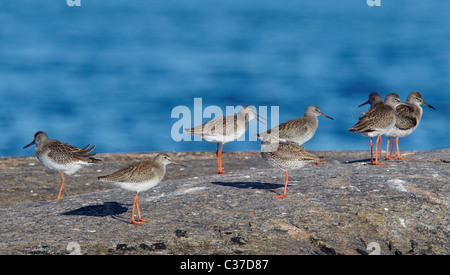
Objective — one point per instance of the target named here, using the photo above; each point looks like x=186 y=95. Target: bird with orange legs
x=139 y=177
x=298 y=130
x=377 y=120
x=408 y=118
x=225 y=129
x=374 y=99
x=286 y=155
x=61 y=157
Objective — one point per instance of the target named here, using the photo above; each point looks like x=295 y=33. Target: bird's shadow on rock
x=99 y=210
x=357 y=161
x=253 y=185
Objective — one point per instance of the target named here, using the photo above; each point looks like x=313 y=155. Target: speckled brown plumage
x=61 y=157
x=298 y=130
x=221 y=126
x=379 y=118
x=139 y=177
x=61 y=152
x=138 y=172
x=286 y=156
x=409 y=115
x=224 y=129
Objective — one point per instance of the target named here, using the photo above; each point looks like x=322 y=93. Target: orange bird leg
x=318 y=162
x=136 y=203
x=60 y=189
x=219 y=160
x=285 y=187
x=132 y=214
x=139 y=212
x=392 y=148
x=371 y=151
x=398 y=152
x=380 y=146
x=387 y=148
x=376 y=152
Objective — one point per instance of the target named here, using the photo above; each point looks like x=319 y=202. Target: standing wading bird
x=285 y=155
x=225 y=129
x=408 y=118
x=61 y=157
x=298 y=130
x=139 y=177
x=373 y=100
x=377 y=121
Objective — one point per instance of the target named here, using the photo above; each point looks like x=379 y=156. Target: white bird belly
x=223 y=138
x=136 y=186
x=67 y=169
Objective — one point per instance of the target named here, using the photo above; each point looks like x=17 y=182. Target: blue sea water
x=110 y=73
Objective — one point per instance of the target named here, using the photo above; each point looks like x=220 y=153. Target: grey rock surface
x=342 y=207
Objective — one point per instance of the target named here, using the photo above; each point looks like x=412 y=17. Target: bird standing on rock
x=408 y=118
x=61 y=157
x=225 y=129
x=377 y=120
x=286 y=155
x=298 y=130
x=139 y=177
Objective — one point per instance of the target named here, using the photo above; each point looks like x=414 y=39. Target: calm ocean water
x=110 y=72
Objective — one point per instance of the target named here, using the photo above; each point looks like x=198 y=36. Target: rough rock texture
x=342 y=207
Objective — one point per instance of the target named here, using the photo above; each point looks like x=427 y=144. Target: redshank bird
x=139 y=177
x=286 y=155
x=374 y=99
x=225 y=129
x=61 y=157
x=408 y=118
x=298 y=130
x=377 y=121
